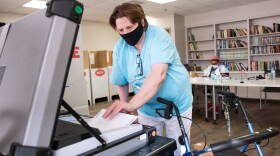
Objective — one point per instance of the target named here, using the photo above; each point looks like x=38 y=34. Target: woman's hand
x=116 y=107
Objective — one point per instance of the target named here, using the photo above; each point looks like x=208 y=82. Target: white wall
x=177 y=26
x=98 y=36
x=180 y=36
x=8 y=18
x=237 y=13
x=165 y=22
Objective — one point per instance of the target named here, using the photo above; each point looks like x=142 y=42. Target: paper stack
x=119 y=121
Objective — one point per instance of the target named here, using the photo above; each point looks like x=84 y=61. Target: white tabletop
x=231 y=82
x=236 y=82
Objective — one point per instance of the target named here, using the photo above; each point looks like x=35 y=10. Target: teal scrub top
x=158 y=48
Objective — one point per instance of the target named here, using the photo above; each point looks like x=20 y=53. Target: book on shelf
x=264 y=65
x=233 y=55
x=266 y=40
x=259 y=29
x=244 y=44
x=197 y=68
x=195 y=55
x=270 y=49
x=234 y=66
x=193 y=46
x=231 y=33
x=276 y=27
x=191 y=37
x=225 y=44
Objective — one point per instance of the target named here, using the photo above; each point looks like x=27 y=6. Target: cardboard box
x=102 y=59
x=93 y=59
x=86 y=59
x=98 y=59
x=109 y=58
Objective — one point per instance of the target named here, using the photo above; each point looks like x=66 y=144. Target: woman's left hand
x=116 y=107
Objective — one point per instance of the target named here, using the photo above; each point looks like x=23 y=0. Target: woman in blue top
x=146 y=58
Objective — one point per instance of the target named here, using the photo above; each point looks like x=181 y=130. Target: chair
x=268 y=90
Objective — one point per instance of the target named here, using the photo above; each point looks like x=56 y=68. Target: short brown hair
x=134 y=12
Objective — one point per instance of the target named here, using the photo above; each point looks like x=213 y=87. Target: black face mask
x=133 y=37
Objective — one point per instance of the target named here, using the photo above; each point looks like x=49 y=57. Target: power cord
x=261 y=146
x=261 y=126
x=258 y=123
x=200 y=130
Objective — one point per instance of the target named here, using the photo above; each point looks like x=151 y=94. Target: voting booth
x=34 y=62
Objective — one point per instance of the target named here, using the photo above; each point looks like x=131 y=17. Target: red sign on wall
x=99 y=72
x=76 y=53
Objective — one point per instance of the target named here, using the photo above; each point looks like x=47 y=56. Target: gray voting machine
x=35 y=56
x=34 y=62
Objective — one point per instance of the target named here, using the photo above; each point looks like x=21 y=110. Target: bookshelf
x=200 y=45
x=264 y=42
x=232 y=44
x=252 y=43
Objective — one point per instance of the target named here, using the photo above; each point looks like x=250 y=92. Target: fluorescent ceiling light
x=36 y=4
x=161 y=1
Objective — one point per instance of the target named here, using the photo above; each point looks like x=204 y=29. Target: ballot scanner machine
x=35 y=55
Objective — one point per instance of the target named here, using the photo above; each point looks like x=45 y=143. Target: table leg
x=222 y=100
x=260 y=98
x=206 y=100
x=214 y=104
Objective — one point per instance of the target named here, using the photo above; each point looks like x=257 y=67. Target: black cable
x=200 y=129
x=247 y=112
x=255 y=147
x=254 y=119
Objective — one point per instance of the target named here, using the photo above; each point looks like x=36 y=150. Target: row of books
x=195 y=56
x=265 y=49
x=225 y=44
x=233 y=55
x=266 y=40
x=231 y=33
x=260 y=29
x=193 y=46
x=234 y=66
x=264 y=65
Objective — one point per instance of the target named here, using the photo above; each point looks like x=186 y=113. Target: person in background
x=216 y=68
x=146 y=58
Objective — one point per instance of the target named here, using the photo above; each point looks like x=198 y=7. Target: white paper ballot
x=120 y=120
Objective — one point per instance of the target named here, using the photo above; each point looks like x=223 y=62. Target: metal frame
x=36 y=56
